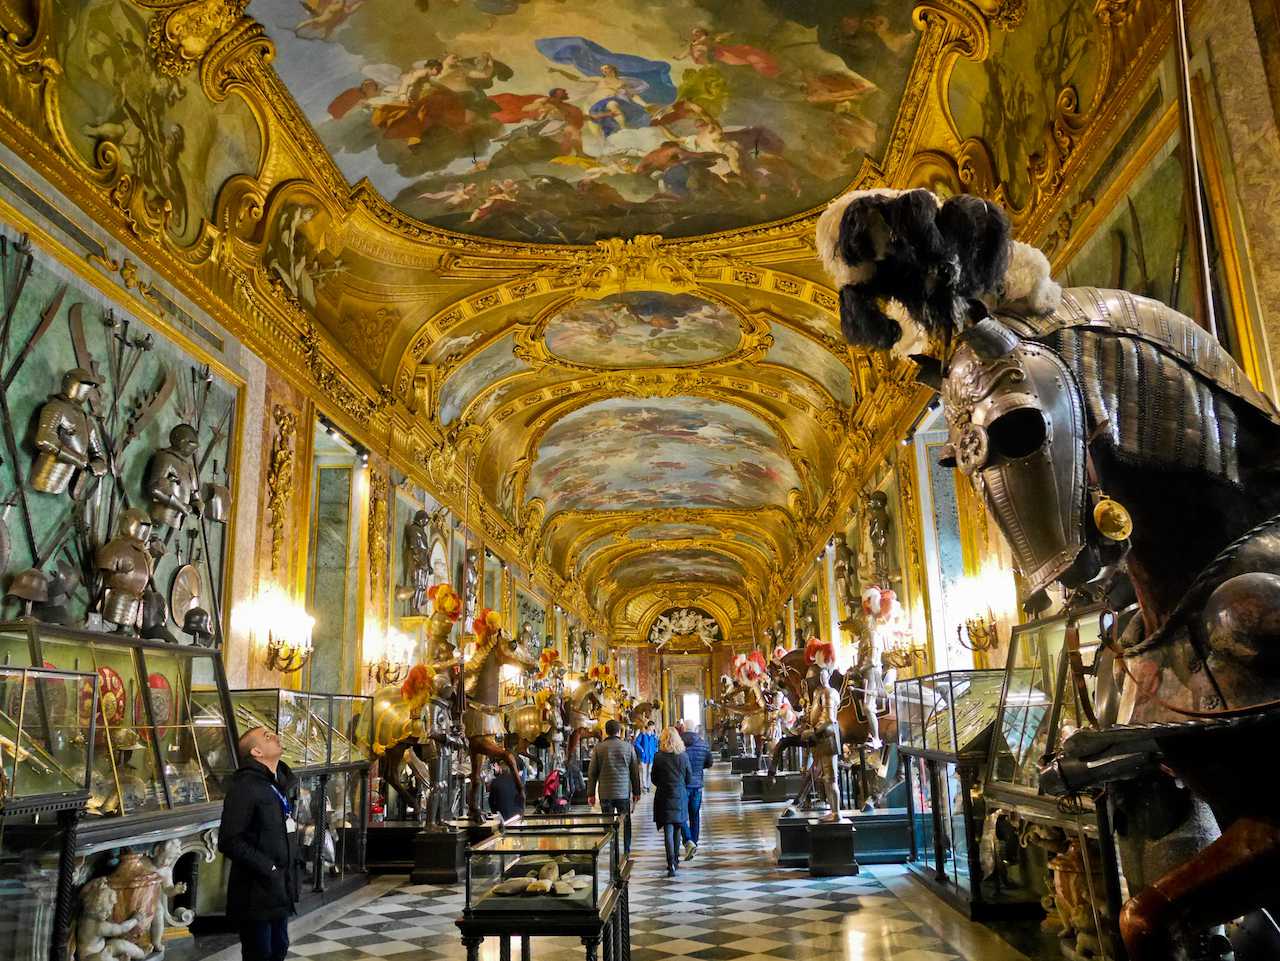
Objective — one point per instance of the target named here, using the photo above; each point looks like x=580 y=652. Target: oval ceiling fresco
x=553 y=123
x=629 y=453
x=682 y=565
x=643 y=329
x=490 y=365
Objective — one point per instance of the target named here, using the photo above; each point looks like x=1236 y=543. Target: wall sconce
x=903 y=656
x=286 y=627
x=979 y=634
x=393 y=665
x=981 y=596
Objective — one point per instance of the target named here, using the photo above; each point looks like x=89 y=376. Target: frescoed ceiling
x=558 y=123
x=555 y=258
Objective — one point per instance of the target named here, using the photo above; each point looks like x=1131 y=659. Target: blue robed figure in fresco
x=625 y=84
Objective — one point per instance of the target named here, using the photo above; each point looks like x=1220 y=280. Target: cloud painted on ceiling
x=490 y=365
x=672 y=532
x=555 y=123
x=690 y=564
x=628 y=453
x=643 y=329
x=802 y=355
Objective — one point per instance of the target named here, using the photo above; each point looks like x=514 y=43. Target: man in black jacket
x=259 y=837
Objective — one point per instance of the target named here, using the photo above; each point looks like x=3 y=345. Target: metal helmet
x=184 y=440
x=198 y=624
x=421 y=518
x=1017 y=429
x=134 y=523
x=78 y=382
x=30 y=585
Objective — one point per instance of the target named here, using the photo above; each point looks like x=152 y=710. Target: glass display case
x=587 y=822
x=46 y=739
x=316 y=730
x=532 y=873
x=945 y=722
x=160 y=740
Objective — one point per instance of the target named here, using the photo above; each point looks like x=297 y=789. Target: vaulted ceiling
x=558 y=255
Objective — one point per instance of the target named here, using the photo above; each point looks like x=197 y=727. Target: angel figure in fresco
x=326 y=17
x=705 y=49
x=617 y=88
x=550 y=117
x=455 y=195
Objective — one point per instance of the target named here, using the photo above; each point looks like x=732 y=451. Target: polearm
x=1191 y=170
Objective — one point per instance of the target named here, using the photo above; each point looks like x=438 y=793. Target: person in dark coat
x=671 y=779
x=504 y=793
x=699 y=755
x=259 y=836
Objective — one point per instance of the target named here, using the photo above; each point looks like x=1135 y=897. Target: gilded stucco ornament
x=280 y=479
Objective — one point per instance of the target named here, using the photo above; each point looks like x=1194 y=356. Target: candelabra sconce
x=286 y=627
x=902 y=658
x=979 y=634
x=288 y=655
x=392 y=666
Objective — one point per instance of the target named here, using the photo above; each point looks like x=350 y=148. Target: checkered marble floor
x=730 y=903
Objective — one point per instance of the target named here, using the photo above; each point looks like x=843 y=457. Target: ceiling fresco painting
x=804 y=356
x=671 y=532
x=690 y=564
x=494 y=362
x=638 y=454
x=549 y=122
x=1009 y=98
x=643 y=329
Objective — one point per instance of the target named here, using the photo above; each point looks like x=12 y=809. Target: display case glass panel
x=316 y=730
x=910 y=713
x=44 y=735
x=959 y=708
x=500 y=871
x=1035 y=682
x=583 y=824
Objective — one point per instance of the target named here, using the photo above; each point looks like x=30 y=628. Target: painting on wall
x=642 y=329
x=1009 y=98
x=634 y=454
x=490 y=365
x=802 y=355
x=690 y=564
x=179 y=145
x=518 y=121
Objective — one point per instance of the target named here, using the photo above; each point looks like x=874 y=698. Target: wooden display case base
x=753 y=787
x=831 y=849
x=439 y=856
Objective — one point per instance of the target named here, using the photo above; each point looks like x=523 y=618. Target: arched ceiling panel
x=690 y=564
x=496 y=362
x=556 y=124
x=803 y=356
x=652 y=453
x=643 y=329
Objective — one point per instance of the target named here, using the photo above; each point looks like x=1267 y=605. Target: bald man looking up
x=259 y=836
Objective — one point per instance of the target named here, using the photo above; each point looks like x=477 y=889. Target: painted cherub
x=97 y=936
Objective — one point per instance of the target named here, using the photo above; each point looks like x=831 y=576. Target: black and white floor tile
x=730 y=903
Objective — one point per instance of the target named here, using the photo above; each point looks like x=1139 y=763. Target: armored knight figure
x=418 y=543
x=66 y=437
x=125 y=562
x=878 y=534
x=172 y=484
x=824 y=722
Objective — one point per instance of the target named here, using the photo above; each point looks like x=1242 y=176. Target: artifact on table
x=67 y=439
x=62 y=583
x=125 y=563
x=172 y=485
x=155 y=617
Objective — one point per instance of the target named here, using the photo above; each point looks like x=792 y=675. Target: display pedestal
x=389 y=847
x=831 y=849
x=884 y=836
x=745 y=764
x=478 y=831
x=780 y=787
x=439 y=856
x=793 y=840
x=753 y=786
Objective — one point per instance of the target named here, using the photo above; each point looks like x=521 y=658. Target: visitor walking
x=504 y=794
x=616 y=770
x=646 y=747
x=699 y=755
x=259 y=837
x=671 y=777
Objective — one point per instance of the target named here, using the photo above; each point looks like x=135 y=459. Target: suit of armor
x=66 y=437
x=125 y=562
x=824 y=723
x=172 y=485
x=419 y=551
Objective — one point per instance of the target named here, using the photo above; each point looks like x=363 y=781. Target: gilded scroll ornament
x=280 y=478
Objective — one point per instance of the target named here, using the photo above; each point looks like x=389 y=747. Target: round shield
x=184 y=592
x=162 y=704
